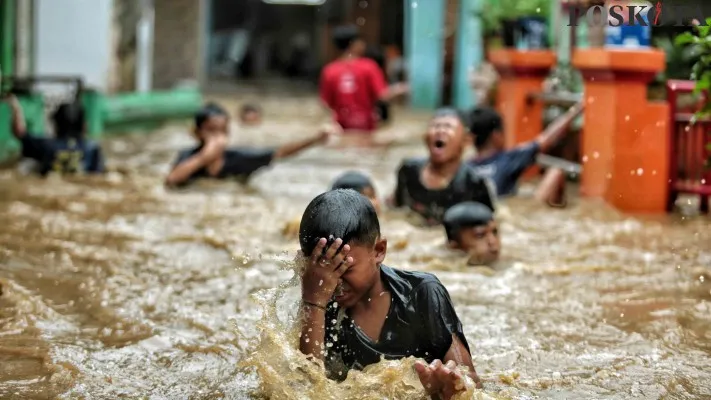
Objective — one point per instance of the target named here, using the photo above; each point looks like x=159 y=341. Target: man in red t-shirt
x=352 y=85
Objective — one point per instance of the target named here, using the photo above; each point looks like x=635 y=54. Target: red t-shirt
x=351 y=88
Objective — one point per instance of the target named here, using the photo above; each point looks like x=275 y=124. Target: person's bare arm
x=394 y=91
x=460 y=355
x=19 y=128
x=291 y=149
x=313 y=332
x=558 y=128
x=441 y=379
x=317 y=286
x=184 y=170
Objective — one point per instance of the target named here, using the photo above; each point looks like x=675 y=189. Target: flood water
x=113 y=287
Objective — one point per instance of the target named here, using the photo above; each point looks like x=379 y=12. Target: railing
x=688 y=169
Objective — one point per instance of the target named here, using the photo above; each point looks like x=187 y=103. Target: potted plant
x=523 y=23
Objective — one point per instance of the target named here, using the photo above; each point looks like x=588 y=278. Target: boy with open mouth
x=429 y=186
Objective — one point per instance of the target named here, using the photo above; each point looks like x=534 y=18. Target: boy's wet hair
x=344 y=36
x=357 y=181
x=249 y=107
x=341 y=213
x=451 y=112
x=208 y=111
x=483 y=122
x=69 y=120
x=464 y=215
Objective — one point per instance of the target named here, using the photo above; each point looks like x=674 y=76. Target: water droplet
x=627 y=117
x=703 y=181
x=609 y=175
x=310 y=329
x=701 y=278
x=591 y=99
x=360 y=21
x=654 y=172
x=687 y=129
x=525 y=119
x=320 y=283
x=307 y=340
x=585 y=159
x=622 y=315
x=640 y=171
x=596 y=155
x=538 y=9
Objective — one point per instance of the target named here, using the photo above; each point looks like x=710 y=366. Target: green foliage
x=701 y=71
x=495 y=11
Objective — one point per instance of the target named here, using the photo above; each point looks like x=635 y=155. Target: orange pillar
x=522 y=73
x=625 y=139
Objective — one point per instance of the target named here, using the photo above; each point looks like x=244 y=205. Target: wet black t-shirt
x=420 y=323
x=431 y=204
x=239 y=162
x=63 y=155
x=506 y=167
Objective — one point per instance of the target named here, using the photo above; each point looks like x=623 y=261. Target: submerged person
x=471 y=228
x=357 y=310
x=352 y=85
x=505 y=167
x=359 y=182
x=353 y=180
x=429 y=186
x=250 y=114
x=69 y=151
x=211 y=158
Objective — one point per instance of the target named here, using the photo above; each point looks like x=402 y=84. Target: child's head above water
x=347 y=38
x=250 y=114
x=486 y=126
x=347 y=215
x=69 y=121
x=360 y=183
x=446 y=136
x=210 y=121
x=471 y=227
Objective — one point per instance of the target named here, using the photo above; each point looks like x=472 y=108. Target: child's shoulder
x=415 y=163
x=415 y=280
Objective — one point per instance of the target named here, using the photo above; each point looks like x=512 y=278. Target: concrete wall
x=73 y=37
x=177 y=50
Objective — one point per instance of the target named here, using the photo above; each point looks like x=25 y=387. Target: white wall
x=73 y=37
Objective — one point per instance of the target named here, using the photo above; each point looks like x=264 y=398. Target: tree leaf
x=686 y=38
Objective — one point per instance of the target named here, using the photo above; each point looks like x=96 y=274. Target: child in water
x=504 y=167
x=353 y=180
x=250 y=115
x=357 y=310
x=471 y=228
x=212 y=159
x=69 y=151
x=352 y=85
x=359 y=182
x=429 y=186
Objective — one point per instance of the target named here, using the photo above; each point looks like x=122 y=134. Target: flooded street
x=113 y=287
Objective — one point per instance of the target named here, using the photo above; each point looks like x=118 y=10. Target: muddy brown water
x=113 y=287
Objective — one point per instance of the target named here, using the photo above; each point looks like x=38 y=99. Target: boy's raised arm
x=323 y=270
x=557 y=129
x=291 y=149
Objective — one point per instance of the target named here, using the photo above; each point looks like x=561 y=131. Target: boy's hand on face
x=323 y=271
x=214 y=146
x=440 y=380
